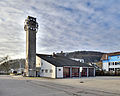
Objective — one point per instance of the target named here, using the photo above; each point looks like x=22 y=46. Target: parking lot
x=92 y=86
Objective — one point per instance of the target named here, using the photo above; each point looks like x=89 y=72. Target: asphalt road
x=20 y=87
x=14 y=86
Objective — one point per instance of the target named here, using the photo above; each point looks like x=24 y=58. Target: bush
x=107 y=73
x=4 y=73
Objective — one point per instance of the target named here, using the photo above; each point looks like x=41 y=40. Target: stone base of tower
x=32 y=73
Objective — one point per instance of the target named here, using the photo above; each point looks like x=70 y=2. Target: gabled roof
x=105 y=56
x=60 y=61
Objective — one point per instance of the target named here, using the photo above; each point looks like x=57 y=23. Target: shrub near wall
x=4 y=73
x=107 y=73
x=99 y=73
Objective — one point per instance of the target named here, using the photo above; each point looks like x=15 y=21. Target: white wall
x=105 y=66
x=38 y=61
x=59 y=72
x=114 y=66
x=47 y=66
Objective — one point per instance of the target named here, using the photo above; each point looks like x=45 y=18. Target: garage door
x=66 y=72
x=75 y=72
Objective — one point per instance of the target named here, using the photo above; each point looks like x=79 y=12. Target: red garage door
x=75 y=72
x=66 y=72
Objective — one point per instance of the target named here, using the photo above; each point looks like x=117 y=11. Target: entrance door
x=66 y=72
x=75 y=72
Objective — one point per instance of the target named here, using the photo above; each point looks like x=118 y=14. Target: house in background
x=54 y=66
x=111 y=61
x=80 y=60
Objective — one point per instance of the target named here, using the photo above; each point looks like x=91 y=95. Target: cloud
x=63 y=25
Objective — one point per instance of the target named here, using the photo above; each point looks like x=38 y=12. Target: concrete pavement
x=19 y=86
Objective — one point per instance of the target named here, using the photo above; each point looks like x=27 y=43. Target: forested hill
x=12 y=64
x=88 y=56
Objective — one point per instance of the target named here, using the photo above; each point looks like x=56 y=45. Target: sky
x=64 y=25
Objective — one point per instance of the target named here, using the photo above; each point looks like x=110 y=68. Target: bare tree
x=5 y=66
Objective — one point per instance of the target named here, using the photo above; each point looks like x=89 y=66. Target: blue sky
x=67 y=25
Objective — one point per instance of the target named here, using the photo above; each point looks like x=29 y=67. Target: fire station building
x=54 y=66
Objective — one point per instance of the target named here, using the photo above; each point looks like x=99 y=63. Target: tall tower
x=31 y=27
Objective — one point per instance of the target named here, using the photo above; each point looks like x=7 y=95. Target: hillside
x=12 y=64
x=88 y=56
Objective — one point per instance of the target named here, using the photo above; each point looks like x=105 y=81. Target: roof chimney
x=53 y=54
x=61 y=52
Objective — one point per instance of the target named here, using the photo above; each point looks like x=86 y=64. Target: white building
x=111 y=61
x=61 y=67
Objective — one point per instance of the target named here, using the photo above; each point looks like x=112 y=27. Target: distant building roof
x=60 y=61
x=105 y=56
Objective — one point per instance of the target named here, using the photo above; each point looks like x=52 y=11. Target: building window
x=41 y=63
x=59 y=69
x=109 y=63
x=51 y=70
x=111 y=69
x=46 y=71
x=42 y=70
x=118 y=63
x=117 y=69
